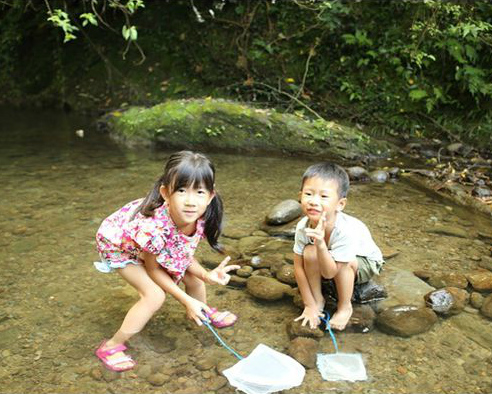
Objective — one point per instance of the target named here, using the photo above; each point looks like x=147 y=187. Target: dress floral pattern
x=120 y=240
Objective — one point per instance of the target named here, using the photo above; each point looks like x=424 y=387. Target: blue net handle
x=326 y=320
x=221 y=341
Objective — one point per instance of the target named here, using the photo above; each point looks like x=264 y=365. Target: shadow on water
x=55 y=308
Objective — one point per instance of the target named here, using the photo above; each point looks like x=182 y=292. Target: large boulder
x=406 y=320
x=222 y=124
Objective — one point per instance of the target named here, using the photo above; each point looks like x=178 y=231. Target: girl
x=151 y=242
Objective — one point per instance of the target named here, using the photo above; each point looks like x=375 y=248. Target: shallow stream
x=55 y=308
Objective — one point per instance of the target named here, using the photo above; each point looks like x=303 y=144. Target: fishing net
x=264 y=371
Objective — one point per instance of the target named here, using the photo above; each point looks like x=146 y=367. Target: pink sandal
x=112 y=363
x=218 y=318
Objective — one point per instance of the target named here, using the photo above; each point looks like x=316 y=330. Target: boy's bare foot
x=341 y=318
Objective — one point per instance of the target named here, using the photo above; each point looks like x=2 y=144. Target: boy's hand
x=318 y=233
x=311 y=315
x=220 y=275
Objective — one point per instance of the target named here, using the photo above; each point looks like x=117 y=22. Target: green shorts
x=367 y=268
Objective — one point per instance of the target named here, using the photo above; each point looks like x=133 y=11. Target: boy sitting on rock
x=330 y=244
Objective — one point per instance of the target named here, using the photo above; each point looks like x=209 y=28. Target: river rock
x=214 y=384
x=296 y=329
x=447 y=301
x=481 y=191
x=211 y=259
x=267 y=288
x=267 y=260
x=157 y=379
x=406 y=320
x=403 y=288
x=144 y=371
x=207 y=362
x=297 y=299
x=445 y=279
x=394 y=172
x=284 y=230
x=480 y=280
x=250 y=245
x=379 y=176
x=235 y=233
x=362 y=319
x=284 y=212
x=237 y=281
x=357 y=173
x=486 y=262
x=476 y=300
x=263 y=272
x=304 y=350
x=285 y=274
x=486 y=308
x=449 y=230
x=245 y=271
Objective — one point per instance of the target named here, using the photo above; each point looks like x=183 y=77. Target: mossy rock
x=231 y=126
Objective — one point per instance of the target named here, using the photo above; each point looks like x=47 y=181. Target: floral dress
x=120 y=240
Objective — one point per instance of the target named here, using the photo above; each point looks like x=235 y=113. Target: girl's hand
x=311 y=315
x=194 y=310
x=318 y=233
x=220 y=274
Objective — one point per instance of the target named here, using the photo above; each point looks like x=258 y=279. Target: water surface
x=55 y=308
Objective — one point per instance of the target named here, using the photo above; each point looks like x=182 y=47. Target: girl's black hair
x=185 y=169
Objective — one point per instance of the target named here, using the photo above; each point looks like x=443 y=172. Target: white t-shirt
x=349 y=238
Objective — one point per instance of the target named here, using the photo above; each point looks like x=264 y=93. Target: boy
x=330 y=244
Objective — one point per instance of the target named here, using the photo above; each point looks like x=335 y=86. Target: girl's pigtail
x=152 y=201
x=213 y=222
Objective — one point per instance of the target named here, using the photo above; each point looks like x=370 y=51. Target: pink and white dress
x=121 y=240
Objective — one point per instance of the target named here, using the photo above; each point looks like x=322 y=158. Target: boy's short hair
x=329 y=171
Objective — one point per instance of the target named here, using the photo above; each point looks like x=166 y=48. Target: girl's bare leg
x=151 y=299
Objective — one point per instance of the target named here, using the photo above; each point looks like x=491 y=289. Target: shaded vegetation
x=404 y=68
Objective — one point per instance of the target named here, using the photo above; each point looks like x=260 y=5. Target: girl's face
x=320 y=196
x=186 y=205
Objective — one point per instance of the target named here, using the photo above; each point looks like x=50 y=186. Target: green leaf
x=417 y=94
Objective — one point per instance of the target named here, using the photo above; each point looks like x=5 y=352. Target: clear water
x=55 y=308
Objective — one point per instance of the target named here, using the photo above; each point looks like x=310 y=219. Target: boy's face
x=320 y=196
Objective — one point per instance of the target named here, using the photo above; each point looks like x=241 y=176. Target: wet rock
x=362 y=319
x=379 y=176
x=357 y=173
x=447 y=301
x=259 y=233
x=207 y=362
x=144 y=371
x=284 y=230
x=406 y=320
x=160 y=343
x=486 y=308
x=286 y=274
x=485 y=236
x=267 y=288
x=445 y=279
x=263 y=272
x=297 y=299
x=215 y=383
x=394 y=172
x=369 y=292
x=481 y=191
x=157 y=379
x=486 y=262
x=250 y=245
x=244 y=272
x=296 y=329
x=266 y=260
x=476 y=329
x=235 y=233
x=476 y=300
x=237 y=281
x=96 y=374
x=211 y=259
x=289 y=257
x=284 y=212
x=451 y=231
x=108 y=375
x=480 y=280
x=304 y=350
